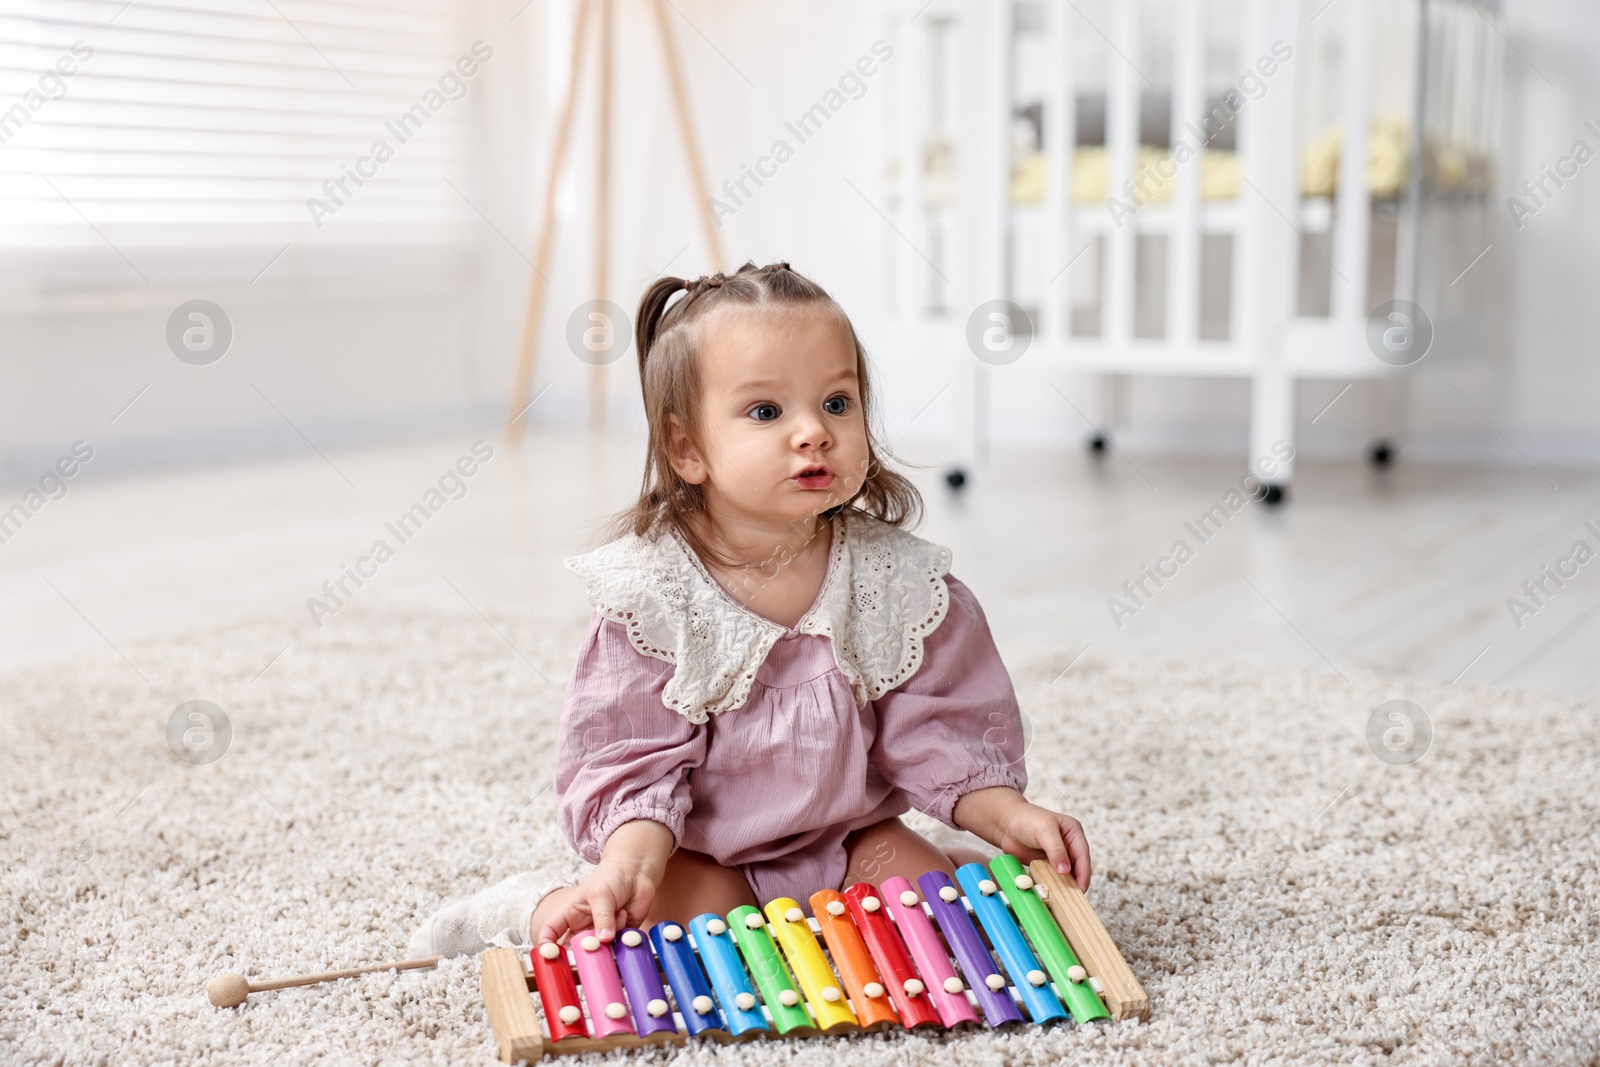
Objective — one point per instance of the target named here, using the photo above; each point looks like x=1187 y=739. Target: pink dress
x=762 y=745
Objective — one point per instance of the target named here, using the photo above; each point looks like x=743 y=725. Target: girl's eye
x=836 y=405
x=764 y=412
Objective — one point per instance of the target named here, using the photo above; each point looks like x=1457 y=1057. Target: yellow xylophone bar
x=823 y=995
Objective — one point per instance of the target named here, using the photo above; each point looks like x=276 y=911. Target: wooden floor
x=1407 y=571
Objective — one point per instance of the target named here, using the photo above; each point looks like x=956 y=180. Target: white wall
x=1540 y=392
x=333 y=344
x=353 y=370
x=1554 y=390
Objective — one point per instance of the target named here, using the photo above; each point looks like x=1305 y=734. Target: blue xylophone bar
x=726 y=971
x=686 y=979
x=1033 y=985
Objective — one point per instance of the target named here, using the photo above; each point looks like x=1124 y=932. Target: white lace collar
x=883 y=594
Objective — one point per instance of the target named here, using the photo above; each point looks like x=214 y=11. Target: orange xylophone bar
x=862 y=935
x=852 y=961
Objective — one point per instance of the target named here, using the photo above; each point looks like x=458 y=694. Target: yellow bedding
x=1219 y=170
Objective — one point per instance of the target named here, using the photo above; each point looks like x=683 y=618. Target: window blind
x=214 y=122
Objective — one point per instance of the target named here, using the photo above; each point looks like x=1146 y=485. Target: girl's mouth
x=815 y=478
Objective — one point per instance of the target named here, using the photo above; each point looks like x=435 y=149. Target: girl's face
x=780 y=415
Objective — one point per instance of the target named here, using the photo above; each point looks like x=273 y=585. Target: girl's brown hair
x=669 y=341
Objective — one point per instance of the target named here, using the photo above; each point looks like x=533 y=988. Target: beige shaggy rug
x=1284 y=894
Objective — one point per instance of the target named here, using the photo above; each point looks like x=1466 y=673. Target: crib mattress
x=1219 y=170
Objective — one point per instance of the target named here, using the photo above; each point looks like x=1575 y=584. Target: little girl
x=775 y=669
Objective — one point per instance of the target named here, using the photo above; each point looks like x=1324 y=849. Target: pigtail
x=652 y=308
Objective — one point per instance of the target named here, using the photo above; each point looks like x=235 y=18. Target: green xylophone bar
x=749 y=929
x=1070 y=978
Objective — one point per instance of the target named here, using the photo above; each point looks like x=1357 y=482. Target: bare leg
x=961 y=855
x=890 y=848
x=693 y=884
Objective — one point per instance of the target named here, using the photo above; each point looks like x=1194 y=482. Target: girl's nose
x=810 y=432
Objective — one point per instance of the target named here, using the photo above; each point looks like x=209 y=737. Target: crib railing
x=950 y=114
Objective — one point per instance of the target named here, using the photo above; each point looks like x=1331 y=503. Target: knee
x=961 y=855
x=892 y=826
x=705 y=874
x=694 y=884
x=733 y=888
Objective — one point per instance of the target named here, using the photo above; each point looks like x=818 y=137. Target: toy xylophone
x=899 y=957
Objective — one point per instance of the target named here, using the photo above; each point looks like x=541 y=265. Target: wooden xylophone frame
x=520 y=1032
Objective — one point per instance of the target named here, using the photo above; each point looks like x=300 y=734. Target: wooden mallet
x=229 y=990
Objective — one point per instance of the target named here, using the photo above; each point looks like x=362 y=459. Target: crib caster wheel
x=1275 y=495
x=1381 y=454
x=955 y=477
x=1098 y=443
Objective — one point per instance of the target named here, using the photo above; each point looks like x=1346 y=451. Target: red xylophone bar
x=889 y=953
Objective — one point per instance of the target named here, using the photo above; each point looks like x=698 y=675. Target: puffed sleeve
x=955 y=725
x=622 y=754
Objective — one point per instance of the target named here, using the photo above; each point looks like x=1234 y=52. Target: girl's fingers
x=1025 y=854
x=639 y=906
x=1078 y=846
x=1056 y=853
x=603 y=908
x=564 y=920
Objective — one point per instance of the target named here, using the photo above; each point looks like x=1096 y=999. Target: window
x=178 y=134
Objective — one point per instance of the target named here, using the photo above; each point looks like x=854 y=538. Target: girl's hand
x=624 y=881
x=1004 y=818
x=617 y=892
x=1030 y=832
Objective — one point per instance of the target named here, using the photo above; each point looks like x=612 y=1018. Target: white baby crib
x=1033 y=158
